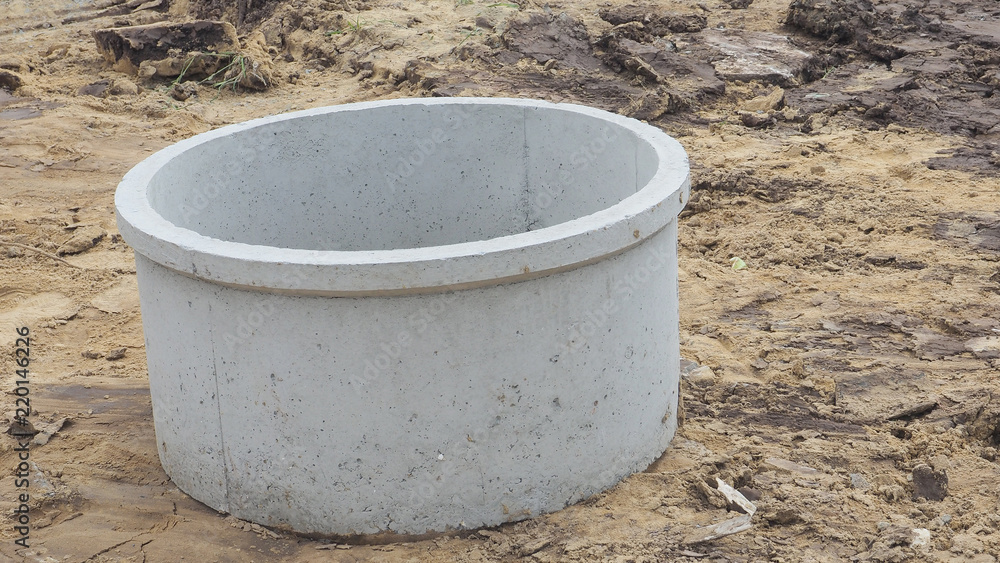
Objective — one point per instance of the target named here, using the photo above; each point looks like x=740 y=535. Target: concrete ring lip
x=461 y=265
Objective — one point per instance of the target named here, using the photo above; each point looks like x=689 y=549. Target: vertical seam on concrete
x=218 y=403
x=635 y=168
x=527 y=169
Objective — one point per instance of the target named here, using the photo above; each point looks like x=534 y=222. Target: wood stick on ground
x=42 y=252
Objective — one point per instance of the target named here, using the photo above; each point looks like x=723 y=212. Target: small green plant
x=476 y=31
x=463 y=2
x=355 y=26
x=230 y=75
x=187 y=67
x=181 y=75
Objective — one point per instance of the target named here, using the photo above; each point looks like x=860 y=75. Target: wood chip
x=915 y=410
x=42 y=252
x=736 y=498
x=791 y=467
x=720 y=530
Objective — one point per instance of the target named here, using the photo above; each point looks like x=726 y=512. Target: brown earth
x=846 y=150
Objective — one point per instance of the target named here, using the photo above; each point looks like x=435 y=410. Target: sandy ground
x=846 y=379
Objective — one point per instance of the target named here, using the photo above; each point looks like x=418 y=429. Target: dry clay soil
x=845 y=380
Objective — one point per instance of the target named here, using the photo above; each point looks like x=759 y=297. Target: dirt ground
x=845 y=150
